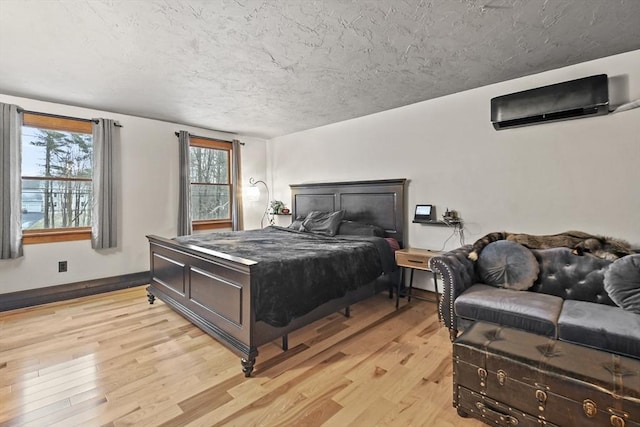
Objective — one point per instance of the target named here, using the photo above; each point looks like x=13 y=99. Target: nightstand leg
x=410 y=286
x=398 y=289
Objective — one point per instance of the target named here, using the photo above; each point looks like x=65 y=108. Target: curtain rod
x=38 y=113
x=206 y=137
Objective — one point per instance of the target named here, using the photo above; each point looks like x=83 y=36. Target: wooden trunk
x=507 y=377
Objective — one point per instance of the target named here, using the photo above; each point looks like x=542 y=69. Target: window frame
x=56 y=123
x=216 y=144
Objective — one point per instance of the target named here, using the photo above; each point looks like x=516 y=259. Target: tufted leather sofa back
x=571 y=276
x=562 y=273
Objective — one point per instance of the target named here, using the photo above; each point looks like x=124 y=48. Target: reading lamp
x=256 y=196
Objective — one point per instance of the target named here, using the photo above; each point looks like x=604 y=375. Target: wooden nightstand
x=415 y=259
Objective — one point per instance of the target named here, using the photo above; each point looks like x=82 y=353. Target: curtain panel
x=236 y=180
x=184 y=192
x=10 y=181
x=104 y=228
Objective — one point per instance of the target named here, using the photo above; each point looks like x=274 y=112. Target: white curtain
x=10 y=181
x=104 y=228
x=184 y=193
x=236 y=180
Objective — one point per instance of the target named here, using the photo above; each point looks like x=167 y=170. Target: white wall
x=149 y=159
x=581 y=174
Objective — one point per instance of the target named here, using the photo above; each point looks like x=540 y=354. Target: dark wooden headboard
x=379 y=202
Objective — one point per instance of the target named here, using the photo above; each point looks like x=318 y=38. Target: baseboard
x=49 y=294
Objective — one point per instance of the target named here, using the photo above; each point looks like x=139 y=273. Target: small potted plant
x=276 y=206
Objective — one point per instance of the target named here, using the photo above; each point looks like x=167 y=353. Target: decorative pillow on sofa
x=354 y=228
x=507 y=264
x=326 y=223
x=622 y=282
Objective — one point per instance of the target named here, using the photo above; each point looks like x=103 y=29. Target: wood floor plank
x=114 y=360
x=62 y=417
x=371 y=415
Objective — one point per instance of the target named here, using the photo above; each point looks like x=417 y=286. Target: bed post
x=247 y=365
x=248 y=360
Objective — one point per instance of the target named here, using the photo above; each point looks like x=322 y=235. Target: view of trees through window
x=56 y=178
x=210 y=183
x=57 y=190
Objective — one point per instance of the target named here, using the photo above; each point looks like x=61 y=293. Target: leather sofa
x=567 y=300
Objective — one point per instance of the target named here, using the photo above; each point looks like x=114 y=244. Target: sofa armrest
x=458 y=274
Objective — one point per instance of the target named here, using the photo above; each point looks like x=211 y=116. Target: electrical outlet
x=62 y=266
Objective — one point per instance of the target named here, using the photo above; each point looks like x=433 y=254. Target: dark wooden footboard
x=212 y=290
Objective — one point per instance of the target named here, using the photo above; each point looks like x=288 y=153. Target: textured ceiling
x=269 y=68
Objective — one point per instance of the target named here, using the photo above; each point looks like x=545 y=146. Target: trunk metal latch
x=541 y=397
x=482 y=374
x=502 y=376
x=589 y=407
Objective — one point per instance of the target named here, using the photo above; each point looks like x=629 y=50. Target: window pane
x=209 y=165
x=56 y=153
x=209 y=202
x=55 y=204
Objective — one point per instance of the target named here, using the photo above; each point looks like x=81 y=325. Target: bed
x=223 y=291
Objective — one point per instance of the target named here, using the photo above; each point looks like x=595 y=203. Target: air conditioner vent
x=574 y=99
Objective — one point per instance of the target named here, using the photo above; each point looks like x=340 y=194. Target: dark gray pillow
x=354 y=228
x=326 y=223
x=297 y=223
x=622 y=282
x=507 y=264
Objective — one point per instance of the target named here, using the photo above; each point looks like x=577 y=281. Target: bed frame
x=213 y=289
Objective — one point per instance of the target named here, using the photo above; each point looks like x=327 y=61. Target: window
x=210 y=183
x=56 y=178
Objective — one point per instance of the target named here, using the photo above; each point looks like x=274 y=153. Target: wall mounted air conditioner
x=574 y=99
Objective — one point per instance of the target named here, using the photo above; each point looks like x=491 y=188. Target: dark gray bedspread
x=296 y=272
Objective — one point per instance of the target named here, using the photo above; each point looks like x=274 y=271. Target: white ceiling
x=269 y=68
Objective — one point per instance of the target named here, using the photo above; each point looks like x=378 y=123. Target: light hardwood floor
x=115 y=360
